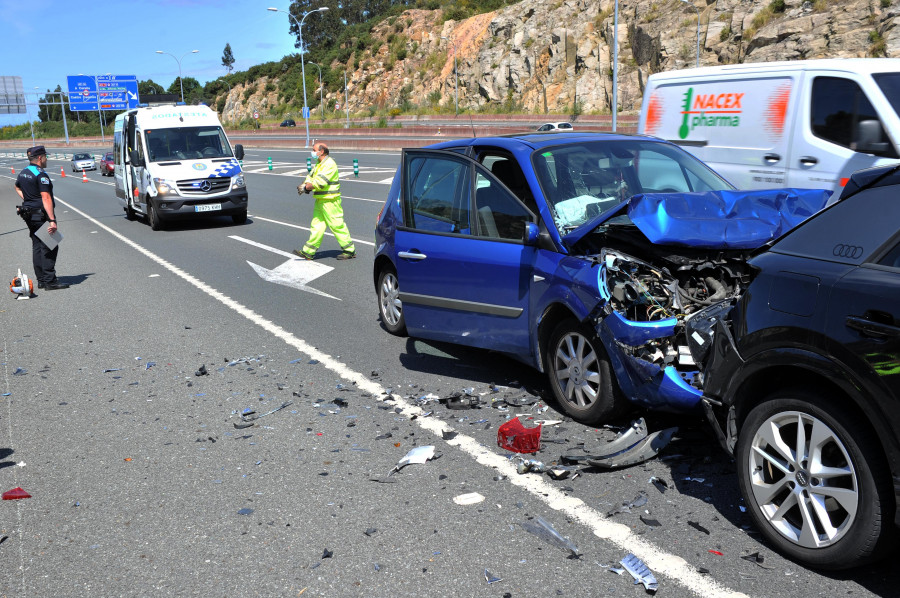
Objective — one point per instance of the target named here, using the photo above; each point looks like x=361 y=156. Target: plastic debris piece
x=639 y=452
x=449 y=434
x=15 y=494
x=107 y=370
x=660 y=484
x=150 y=364
x=758 y=559
x=327 y=554
x=639 y=501
x=471 y=498
x=715 y=552
x=4 y=539
x=245 y=511
x=416 y=456
x=521 y=401
x=20 y=372
x=341 y=402
x=370 y=532
x=515 y=437
x=703 y=570
x=490 y=577
x=696 y=525
x=313 y=361
x=530 y=466
x=640 y=572
x=465 y=402
x=249 y=416
x=561 y=472
x=650 y=522
x=383 y=436
x=377 y=566
x=201 y=371
x=542 y=529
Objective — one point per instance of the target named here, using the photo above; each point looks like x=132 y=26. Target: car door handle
x=771 y=158
x=411 y=255
x=870 y=328
x=808 y=160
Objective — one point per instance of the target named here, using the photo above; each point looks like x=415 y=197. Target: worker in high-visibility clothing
x=324 y=184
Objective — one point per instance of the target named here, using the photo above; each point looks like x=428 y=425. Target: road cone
x=13 y=169
x=62 y=171
x=83 y=176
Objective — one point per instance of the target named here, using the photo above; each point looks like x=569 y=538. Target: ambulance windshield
x=187 y=143
x=890 y=87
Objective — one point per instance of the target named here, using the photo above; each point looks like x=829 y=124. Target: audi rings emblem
x=205 y=186
x=848 y=251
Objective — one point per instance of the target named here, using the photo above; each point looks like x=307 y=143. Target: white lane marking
x=370 y=243
x=673 y=567
x=387 y=181
x=274 y=250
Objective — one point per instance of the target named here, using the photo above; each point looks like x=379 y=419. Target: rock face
x=556 y=56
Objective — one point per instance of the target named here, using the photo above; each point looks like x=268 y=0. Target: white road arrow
x=296 y=273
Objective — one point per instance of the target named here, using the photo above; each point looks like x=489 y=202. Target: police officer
x=325 y=186
x=34 y=187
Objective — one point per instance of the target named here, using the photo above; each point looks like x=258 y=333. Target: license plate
x=208 y=207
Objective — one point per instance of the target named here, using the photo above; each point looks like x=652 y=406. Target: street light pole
x=37 y=102
x=302 y=67
x=180 y=79
x=615 y=99
x=346 y=100
x=698 y=29
x=321 y=90
x=455 y=73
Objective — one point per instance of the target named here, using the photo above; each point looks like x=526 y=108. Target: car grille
x=196 y=186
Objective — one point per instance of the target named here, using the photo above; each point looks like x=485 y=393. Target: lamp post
x=37 y=101
x=321 y=90
x=346 y=100
x=455 y=73
x=180 y=79
x=698 y=28
x=302 y=67
x=615 y=99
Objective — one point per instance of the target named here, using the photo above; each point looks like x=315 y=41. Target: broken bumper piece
x=640 y=572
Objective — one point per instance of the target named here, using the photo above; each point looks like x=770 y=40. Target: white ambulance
x=175 y=161
x=805 y=124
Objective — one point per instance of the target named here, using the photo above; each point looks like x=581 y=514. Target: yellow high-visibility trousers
x=328 y=213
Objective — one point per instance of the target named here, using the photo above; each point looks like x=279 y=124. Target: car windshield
x=582 y=180
x=108 y=156
x=81 y=157
x=890 y=87
x=187 y=143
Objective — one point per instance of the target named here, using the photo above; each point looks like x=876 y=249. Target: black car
x=803 y=380
x=288 y=122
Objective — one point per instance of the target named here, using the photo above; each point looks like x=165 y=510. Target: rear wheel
x=390 y=308
x=580 y=375
x=153 y=217
x=815 y=481
x=129 y=210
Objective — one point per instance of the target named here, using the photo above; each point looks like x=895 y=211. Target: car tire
x=580 y=375
x=390 y=308
x=836 y=526
x=153 y=217
x=130 y=214
x=240 y=218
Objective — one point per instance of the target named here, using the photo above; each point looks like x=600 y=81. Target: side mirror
x=532 y=231
x=239 y=151
x=869 y=135
x=135 y=157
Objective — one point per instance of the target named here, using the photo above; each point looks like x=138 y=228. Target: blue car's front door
x=464 y=270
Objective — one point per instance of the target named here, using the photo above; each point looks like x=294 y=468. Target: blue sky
x=44 y=42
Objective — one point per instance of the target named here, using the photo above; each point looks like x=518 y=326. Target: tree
x=192 y=88
x=228 y=58
x=149 y=87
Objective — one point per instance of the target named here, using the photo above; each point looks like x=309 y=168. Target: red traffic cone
x=13 y=169
x=83 y=176
x=62 y=171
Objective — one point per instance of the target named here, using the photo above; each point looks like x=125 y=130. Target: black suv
x=288 y=122
x=803 y=385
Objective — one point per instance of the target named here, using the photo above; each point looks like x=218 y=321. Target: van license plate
x=208 y=207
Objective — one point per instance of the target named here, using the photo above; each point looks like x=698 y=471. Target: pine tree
x=228 y=58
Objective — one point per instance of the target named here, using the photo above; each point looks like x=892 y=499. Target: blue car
x=602 y=260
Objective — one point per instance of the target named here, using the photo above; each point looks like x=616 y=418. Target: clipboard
x=51 y=241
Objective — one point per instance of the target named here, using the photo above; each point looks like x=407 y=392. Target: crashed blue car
x=602 y=260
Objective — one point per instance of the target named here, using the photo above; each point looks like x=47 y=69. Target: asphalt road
x=142 y=485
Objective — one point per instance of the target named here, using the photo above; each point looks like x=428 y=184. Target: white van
x=174 y=161
x=804 y=124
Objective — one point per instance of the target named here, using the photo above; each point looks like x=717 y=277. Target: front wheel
x=815 y=481
x=153 y=217
x=390 y=308
x=580 y=375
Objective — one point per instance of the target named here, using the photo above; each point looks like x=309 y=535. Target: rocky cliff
x=556 y=56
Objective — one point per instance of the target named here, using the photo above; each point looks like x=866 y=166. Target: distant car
x=83 y=162
x=288 y=122
x=555 y=127
x=804 y=389
x=107 y=165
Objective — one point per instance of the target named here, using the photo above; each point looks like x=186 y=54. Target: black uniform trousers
x=43 y=258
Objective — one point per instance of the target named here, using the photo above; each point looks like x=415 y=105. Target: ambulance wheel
x=129 y=211
x=240 y=218
x=153 y=217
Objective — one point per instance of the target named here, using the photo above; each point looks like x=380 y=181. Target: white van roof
x=856 y=65
x=171 y=115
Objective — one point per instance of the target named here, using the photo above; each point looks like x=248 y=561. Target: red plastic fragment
x=15 y=494
x=716 y=552
x=517 y=438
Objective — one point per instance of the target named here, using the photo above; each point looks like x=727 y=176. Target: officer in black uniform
x=36 y=190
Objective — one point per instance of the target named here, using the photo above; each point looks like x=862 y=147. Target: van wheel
x=240 y=218
x=129 y=211
x=580 y=375
x=153 y=217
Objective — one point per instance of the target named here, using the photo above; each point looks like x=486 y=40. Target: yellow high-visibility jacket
x=325 y=181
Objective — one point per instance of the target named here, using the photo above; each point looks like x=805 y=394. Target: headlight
x=238 y=182
x=164 y=186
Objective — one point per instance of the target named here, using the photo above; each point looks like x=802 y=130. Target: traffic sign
x=306 y=112
x=103 y=92
x=82 y=92
x=255 y=114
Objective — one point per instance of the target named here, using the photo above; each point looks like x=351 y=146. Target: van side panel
x=739 y=125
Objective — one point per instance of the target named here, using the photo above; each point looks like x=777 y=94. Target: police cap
x=38 y=150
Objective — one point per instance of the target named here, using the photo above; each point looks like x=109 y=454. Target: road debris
x=490 y=577
x=15 y=494
x=248 y=416
x=515 y=437
x=640 y=572
x=201 y=371
x=543 y=530
x=696 y=525
x=639 y=501
x=660 y=484
x=471 y=498
x=530 y=466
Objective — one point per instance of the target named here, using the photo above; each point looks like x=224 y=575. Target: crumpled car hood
x=713 y=219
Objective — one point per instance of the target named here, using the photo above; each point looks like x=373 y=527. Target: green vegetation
x=877 y=44
x=725 y=34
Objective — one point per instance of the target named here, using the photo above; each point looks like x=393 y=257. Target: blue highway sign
x=82 y=92
x=103 y=92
